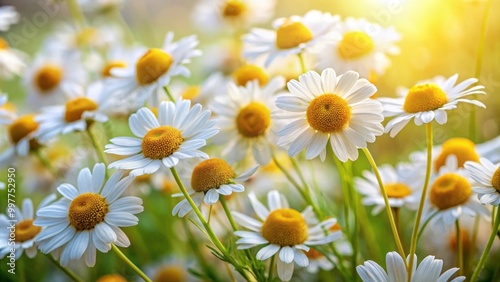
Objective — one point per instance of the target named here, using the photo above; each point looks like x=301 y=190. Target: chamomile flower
x=429 y=270
x=318 y=261
x=285 y=233
x=7 y=110
x=177 y=133
x=87 y=217
x=329 y=107
x=213 y=86
x=487 y=178
x=363 y=48
x=428 y=100
x=12 y=61
x=249 y=72
x=8 y=17
x=81 y=109
x=244 y=117
x=403 y=190
x=210 y=179
x=291 y=36
x=22 y=138
x=24 y=231
x=153 y=70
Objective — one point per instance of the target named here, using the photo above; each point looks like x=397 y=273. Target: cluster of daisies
x=301 y=90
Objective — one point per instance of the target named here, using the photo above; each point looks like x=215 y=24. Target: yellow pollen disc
x=111 y=278
x=292 y=34
x=152 y=65
x=285 y=227
x=191 y=92
x=22 y=127
x=335 y=227
x=3 y=44
x=424 y=97
x=154 y=110
x=464 y=236
x=248 y=73
x=328 y=113
x=170 y=274
x=145 y=178
x=168 y=187
x=211 y=173
x=313 y=254
x=48 y=77
x=106 y=70
x=397 y=190
x=86 y=36
x=253 y=120
x=495 y=180
x=25 y=230
x=450 y=190
x=161 y=142
x=462 y=148
x=9 y=107
x=87 y=210
x=233 y=9
x=354 y=45
x=76 y=107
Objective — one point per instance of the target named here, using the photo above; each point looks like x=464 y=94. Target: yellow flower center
x=424 y=97
x=191 y=92
x=87 y=210
x=248 y=73
x=233 y=9
x=328 y=113
x=171 y=273
x=48 y=77
x=285 y=227
x=450 y=190
x=25 y=230
x=464 y=236
x=106 y=70
x=211 y=173
x=145 y=178
x=76 y=107
x=462 y=148
x=3 y=44
x=9 y=107
x=253 y=120
x=161 y=142
x=22 y=127
x=313 y=254
x=152 y=65
x=495 y=180
x=397 y=190
x=292 y=34
x=354 y=45
x=111 y=278
x=86 y=36
x=168 y=187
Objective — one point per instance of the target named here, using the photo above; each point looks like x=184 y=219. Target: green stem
x=289 y=177
x=460 y=249
x=22 y=270
x=345 y=193
x=386 y=201
x=425 y=224
x=228 y=213
x=486 y=251
x=96 y=146
x=271 y=268
x=66 y=271
x=125 y=259
x=121 y=21
x=306 y=190
x=46 y=163
x=169 y=94
x=77 y=14
x=473 y=241
x=395 y=212
x=302 y=63
x=414 y=235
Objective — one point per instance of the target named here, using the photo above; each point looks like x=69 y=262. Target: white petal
x=267 y=251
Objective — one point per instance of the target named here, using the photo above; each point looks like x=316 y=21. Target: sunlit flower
x=111 y=278
x=169 y=269
x=329 y=107
x=68 y=37
x=429 y=270
x=248 y=72
x=177 y=133
x=25 y=232
x=244 y=117
x=21 y=132
x=428 y=100
x=210 y=179
x=8 y=17
x=88 y=217
x=213 y=86
x=487 y=178
x=285 y=233
x=291 y=36
x=7 y=110
x=12 y=61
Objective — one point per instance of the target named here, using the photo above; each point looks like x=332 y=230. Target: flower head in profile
x=88 y=217
x=177 y=133
x=328 y=107
x=428 y=100
x=290 y=36
x=211 y=179
x=285 y=233
x=12 y=61
x=487 y=180
x=429 y=270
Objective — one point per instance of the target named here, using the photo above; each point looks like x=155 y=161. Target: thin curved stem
x=125 y=259
x=271 y=268
x=46 y=163
x=77 y=14
x=228 y=213
x=460 y=249
x=96 y=146
x=169 y=94
x=487 y=249
x=302 y=63
x=66 y=271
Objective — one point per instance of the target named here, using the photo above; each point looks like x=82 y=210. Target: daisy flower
x=211 y=178
x=285 y=233
x=487 y=178
x=429 y=270
x=403 y=189
x=291 y=36
x=153 y=70
x=177 y=133
x=7 y=110
x=244 y=117
x=25 y=232
x=87 y=217
x=363 y=48
x=428 y=100
x=8 y=17
x=12 y=61
x=248 y=72
x=21 y=132
x=329 y=107
x=213 y=86
x=81 y=110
